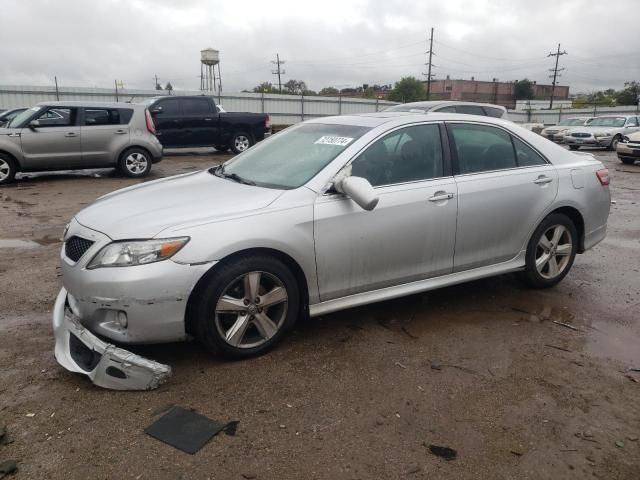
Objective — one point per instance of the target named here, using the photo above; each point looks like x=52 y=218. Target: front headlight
x=137 y=252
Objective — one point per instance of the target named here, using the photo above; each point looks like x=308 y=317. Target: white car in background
x=606 y=131
x=556 y=133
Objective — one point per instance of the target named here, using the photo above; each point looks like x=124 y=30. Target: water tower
x=209 y=59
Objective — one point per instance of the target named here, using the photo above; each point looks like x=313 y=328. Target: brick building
x=500 y=93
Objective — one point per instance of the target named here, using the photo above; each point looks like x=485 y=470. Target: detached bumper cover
x=108 y=366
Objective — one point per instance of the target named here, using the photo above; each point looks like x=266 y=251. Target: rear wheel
x=551 y=251
x=246 y=307
x=574 y=147
x=7 y=169
x=135 y=163
x=240 y=142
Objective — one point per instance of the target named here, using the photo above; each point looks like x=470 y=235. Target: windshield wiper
x=219 y=172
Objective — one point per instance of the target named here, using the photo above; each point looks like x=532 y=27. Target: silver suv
x=77 y=135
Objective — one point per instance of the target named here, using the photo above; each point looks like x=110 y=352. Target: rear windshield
x=294 y=156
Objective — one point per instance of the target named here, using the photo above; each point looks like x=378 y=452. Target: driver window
x=57 y=117
x=632 y=122
x=406 y=155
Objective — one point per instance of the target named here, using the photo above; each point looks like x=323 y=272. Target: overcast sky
x=325 y=43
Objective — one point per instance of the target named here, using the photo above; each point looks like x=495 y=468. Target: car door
x=409 y=236
x=504 y=186
x=54 y=141
x=167 y=118
x=105 y=133
x=199 y=121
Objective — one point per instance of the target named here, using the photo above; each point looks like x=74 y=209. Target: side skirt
x=389 y=293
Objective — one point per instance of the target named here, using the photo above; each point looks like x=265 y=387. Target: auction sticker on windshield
x=330 y=140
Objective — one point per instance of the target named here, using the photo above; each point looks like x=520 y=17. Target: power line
x=429 y=64
x=555 y=71
x=278 y=72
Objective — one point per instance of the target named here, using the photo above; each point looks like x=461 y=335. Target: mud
x=489 y=369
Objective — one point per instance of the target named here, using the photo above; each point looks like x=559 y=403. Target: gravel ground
x=481 y=368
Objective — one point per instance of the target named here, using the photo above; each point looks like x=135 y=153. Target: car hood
x=593 y=129
x=145 y=210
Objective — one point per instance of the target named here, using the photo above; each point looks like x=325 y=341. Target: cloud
x=325 y=43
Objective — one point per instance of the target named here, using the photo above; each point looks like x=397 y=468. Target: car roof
x=400 y=118
x=76 y=103
x=438 y=103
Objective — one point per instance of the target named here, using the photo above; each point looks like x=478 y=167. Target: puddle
x=622 y=243
x=614 y=341
x=17 y=243
x=47 y=240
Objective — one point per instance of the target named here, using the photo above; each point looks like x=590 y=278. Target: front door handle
x=543 y=179
x=120 y=132
x=441 y=196
x=70 y=134
x=208 y=119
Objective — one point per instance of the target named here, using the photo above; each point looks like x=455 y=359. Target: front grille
x=76 y=247
x=581 y=135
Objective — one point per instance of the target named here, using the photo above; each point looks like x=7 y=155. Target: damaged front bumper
x=108 y=366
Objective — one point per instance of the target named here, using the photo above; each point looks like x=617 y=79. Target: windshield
x=20 y=119
x=294 y=156
x=572 y=122
x=608 y=122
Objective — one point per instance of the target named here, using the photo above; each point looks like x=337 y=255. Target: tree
x=630 y=95
x=264 y=87
x=158 y=86
x=329 y=91
x=168 y=87
x=523 y=90
x=295 y=87
x=408 y=89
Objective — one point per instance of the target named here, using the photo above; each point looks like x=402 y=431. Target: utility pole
x=116 y=83
x=555 y=71
x=155 y=85
x=429 y=65
x=57 y=92
x=278 y=71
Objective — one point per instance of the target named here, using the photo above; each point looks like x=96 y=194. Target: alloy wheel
x=553 y=252
x=241 y=143
x=136 y=163
x=5 y=169
x=251 y=309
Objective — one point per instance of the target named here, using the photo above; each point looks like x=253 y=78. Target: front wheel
x=614 y=143
x=7 y=169
x=551 y=251
x=135 y=163
x=240 y=142
x=247 y=307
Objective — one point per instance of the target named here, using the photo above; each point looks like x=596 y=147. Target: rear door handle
x=441 y=196
x=120 y=132
x=70 y=134
x=542 y=179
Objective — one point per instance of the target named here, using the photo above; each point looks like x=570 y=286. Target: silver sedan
x=329 y=214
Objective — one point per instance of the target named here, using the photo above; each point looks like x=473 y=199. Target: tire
x=574 y=147
x=8 y=169
x=221 y=148
x=240 y=142
x=561 y=236
x=614 y=143
x=135 y=163
x=240 y=326
x=628 y=161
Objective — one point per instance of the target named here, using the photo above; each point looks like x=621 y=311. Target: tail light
x=603 y=176
x=267 y=122
x=150 y=126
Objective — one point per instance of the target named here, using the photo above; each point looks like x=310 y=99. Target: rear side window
x=525 y=155
x=493 y=112
x=470 y=110
x=481 y=148
x=107 y=116
x=195 y=106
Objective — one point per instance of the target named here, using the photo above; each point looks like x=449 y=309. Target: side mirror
x=359 y=190
x=33 y=124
